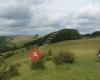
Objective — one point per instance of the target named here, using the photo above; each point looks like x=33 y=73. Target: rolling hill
x=86 y=66
x=9 y=43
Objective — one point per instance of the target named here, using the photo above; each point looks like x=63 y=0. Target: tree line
x=64 y=34
x=92 y=35
x=5 y=45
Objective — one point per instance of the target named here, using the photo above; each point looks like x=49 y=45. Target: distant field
x=85 y=67
x=20 y=40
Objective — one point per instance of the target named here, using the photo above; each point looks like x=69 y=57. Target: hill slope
x=85 y=67
x=10 y=43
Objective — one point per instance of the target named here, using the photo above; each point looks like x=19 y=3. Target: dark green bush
x=49 y=55
x=9 y=54
x=11 y=72
x=39 y=64
x=63 y=57
x=18 y=64
x=14 y=70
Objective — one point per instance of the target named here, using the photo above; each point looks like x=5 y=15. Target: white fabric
x=98 y=55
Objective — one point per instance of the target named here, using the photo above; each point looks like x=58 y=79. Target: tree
x=5 y=45
x=67 y=34
x=36 y=36
x=64 y=34
x=96 y=33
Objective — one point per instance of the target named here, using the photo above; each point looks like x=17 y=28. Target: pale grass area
x=20 y=40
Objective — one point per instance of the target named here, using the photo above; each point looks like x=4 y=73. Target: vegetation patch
x=39 y=64
x=63 y=57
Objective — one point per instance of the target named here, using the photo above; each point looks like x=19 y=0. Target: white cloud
x=43 y=16
x=91 y=10
x=88 y=17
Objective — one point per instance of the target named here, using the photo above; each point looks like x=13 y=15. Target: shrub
x=39 y=64
x=9 y=54
x=14 y=70
x=63 y=57
x=11 y=72
x=18 y=64
x=49 y=55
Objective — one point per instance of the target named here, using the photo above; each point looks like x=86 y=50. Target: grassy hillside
x=21 y=40
x=10 y=43
x=85 y=68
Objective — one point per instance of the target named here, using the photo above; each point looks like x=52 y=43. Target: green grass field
x=85 y=67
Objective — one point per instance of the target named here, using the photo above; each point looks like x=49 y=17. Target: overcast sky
x=29 y=17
